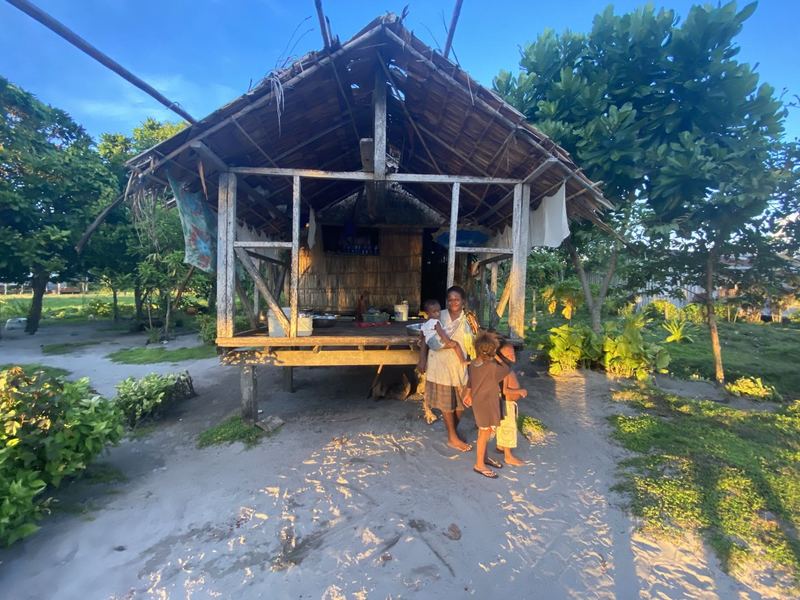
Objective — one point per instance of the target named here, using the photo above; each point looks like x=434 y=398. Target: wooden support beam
x=226 y=235
x=452 y=29
x=323 y=26
x=333 y=358
x=537 y=172
x=517 y=275
x=327 y=341
x=248 y=382
x=288 y=380
x=379 y=125
x=295 y=260
x=469 y=250
x=261 y=244
x=362 y=176
x=248 y=265
x=451 y=246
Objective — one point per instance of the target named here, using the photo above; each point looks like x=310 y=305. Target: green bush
x=49 y=429
x=753 y=387
x=694 y=313
x=151 y=395
x=662 y=309
x=98 y=308
x=627 y=354
x=207 y=328
x=570 y=345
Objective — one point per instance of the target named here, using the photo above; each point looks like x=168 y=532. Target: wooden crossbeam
x=250 y=267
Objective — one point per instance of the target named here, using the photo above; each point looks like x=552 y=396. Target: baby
x=433 y=332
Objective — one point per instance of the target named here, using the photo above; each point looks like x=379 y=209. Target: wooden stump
x=288 y=379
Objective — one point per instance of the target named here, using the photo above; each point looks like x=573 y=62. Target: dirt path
x=354 y=498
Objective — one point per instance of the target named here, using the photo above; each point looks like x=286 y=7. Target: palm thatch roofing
x=314 y=113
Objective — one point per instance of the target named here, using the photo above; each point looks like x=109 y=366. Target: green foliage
x=662 y=309
x=231 y=430
x=730 y=475
x=144 y=356
x=149 y=396
x=622 y=351
x=566 y=294
x=207 y=328
x=49 y=430
x=533 y=429
x=571 y=345
x=32 y=369
x=753 y=387
x=678 y=328
x=52 y=183
x=628 y=354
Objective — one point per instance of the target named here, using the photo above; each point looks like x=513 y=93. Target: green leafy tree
x=679 y=131
x=51 y=179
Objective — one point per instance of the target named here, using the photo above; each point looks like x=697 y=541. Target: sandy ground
x=352 y=498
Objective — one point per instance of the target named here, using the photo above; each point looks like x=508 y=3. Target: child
x=511 y=391
x=432 y=328
x=483 y=394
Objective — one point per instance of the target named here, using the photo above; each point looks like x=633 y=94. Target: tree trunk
x=716 y=349
x=39 y=285
x=115 y=304
x=137 y=301
x=595 y=305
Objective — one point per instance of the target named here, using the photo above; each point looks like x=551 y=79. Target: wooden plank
x=451 y=246
x=261 y=244
x=327 y=341
x=362 y=176
x=379 y=125
x=226 y=235
x=249 y=394
x=517 y=275
x=334 y=358
x=295 y=277
x=469 y=250
x=248 y=265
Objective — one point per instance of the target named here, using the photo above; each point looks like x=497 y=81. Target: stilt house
x=346 y=164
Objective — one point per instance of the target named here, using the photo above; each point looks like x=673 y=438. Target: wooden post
x=295 y=279
x=226 y=235
x=451 y=250
x=288 y=379
x=256 y=301
x=379 y=133
x=249 y=394
x=516 y=309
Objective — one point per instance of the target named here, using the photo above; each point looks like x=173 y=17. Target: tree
x=50 y=180
x=680 y=133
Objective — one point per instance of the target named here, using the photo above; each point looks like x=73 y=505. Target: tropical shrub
x=662 y=309
x=151 y=395
x=753 y=387
x=627 y=354
x=570 y=345
x=49 y=429
x=695 y=313
x=207 y=328
x=678 y=328
x=567 y=294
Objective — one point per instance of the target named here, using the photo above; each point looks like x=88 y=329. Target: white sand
x=354 y=498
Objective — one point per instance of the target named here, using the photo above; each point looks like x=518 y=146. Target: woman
x=446 y=374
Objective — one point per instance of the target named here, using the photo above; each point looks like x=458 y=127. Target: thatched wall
x=333 y=282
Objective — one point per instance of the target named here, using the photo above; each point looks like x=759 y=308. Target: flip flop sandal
x=488 y=473
x=467 y=449
x=493 y=463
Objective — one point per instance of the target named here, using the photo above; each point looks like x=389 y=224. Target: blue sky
x=203 y=53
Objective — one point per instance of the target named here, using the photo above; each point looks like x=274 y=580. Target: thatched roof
x=312 y=115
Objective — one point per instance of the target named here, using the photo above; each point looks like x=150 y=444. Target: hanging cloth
x=549 y=225
x=199 y=226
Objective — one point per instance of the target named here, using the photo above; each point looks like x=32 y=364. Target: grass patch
x=732 y=475
x=144 y=356
x=67 y=347
x=770 y=351
x=31 y=368
x=231 y=430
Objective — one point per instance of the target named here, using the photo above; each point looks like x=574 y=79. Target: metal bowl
x=324 y=321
